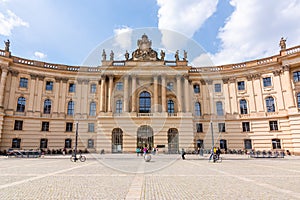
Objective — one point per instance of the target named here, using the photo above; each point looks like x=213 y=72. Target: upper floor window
x=70 y=108
x=18 y=125
x=267 y=82
x=47 y=106
x=45 y=126
x=16 y=143
x=171 y=106
x=72 y=87
x=296 y=76
x=49 y=85
x=119 y=106
x=92 y=109
x=197 y=109
x=23 y=82
x=199 y=127
x=273 y=125
x=246 y=126
x=241 y=85
x=219 y=106
x=21 y=104
x=298 y=100
x=196 y=89
x=217 y=87
x=221 y=127
x=170 y=86
x=243 y=106
x=145 y=102
x=119 y=86
x=270 y=104
x=93 y=88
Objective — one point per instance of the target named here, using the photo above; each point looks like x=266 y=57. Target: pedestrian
x=138 y=151
x=218 y=152
x=183 y=154
x=145 y=150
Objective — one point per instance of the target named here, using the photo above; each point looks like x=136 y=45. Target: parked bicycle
x=78 y=157
x=216 y=158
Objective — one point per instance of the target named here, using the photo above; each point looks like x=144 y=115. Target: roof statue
x=7 y=44
x=112 y=55
x=282 y=43
x=184 y=55
x=126 y=55
x=177 y=55
x=103 y=55
x=144 y=51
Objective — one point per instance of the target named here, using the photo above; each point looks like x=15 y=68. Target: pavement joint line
x=42 y=176
x=136 y=188
x=274 y=188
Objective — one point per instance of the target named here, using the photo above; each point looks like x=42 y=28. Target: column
x=232 y=94
x=288 y=95
x=278 y=89
x=110 y=88
x=38 y=102
x=2 y=85
x=133 y=100
x=102 y=94
x=178 y=86
x=85 y=106
x=155 y=80
x=57 y=86
x=226 y=96
x=31 y=99
x=205 y=95
x=11 y=103
x=78 y=97
x=250 y=91
x=64 y=89
x=187 y=94
x=163 y=93
x=125 y=101
x=210 y=94
x=258 y=93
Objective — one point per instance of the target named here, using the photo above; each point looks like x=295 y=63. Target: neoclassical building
x=147 y=100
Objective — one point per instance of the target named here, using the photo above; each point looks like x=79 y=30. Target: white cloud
x=9 y=21
x=255 y=28
x=123 y=37
x=40 y=55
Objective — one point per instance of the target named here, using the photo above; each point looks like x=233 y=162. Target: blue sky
x=65 y=31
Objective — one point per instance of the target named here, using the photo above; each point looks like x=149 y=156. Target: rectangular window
x=68 y=143
x=267 y=82
x=45 y=126
x=91 y=127
x=72 y=87
x=93 y=88
x=16 y=143
x=69 y=127
x=119 y=86
x=247 y=144
x=296 y=76
x=90 y=143
x=276 y=144
x=44 y=143
x=221 y=127
x=241 y=85
x=218 y=87
x=49 y=85
x=199 y=128
x=196 y=89
x=170 y=86
x=23 y=82
x=246 y=126
x=273 y=125
x=18 y=125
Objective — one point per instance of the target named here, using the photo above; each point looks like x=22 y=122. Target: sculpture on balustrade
x=282 y=43
x=7 y=44
x=177 y=55
x=184 y=55
x=112 y=55
x=162 y=55
x=103 y=55
x=127 y=55
x=144 y=51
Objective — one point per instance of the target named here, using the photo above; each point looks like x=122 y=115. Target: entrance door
x=117 y=140
x=145 y=137
x=173 y=141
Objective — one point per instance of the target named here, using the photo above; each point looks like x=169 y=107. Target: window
x=276 y=144
x=69 y=127
x=49 y=85
x=18 y=125
x=21 y=104
x=218 y=87
x=241 y=85
x=92 y=109
x=296 y=76
x=247 y=144
x=196 y=89
x=246 y=126
x=93 y=88
x=119 y=86
x=219 y=106
x=16 y=143
x=170 y=86
x=72 y=87
x=70 y=108
x=273 y=125
x=200 y=144
x=223 y=144
x=197 y=109
x=90 y=143
x=298 y=100
x=45 y=126
x=91 y=127
x=243 y=106
x=44 y=143
x=270 y=104
x=119 y=106
x=47 y=106
x=23 y=82
x=145 y=102
x=221 y=127
x=171 y=106
x=267 y=82
x=199 y=127
x=68 y=143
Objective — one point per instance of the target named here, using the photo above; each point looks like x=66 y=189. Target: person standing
x=183 y=154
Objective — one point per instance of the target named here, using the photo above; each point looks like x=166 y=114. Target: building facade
x=145 y=100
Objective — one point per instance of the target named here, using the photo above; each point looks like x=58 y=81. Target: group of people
x=143 y=151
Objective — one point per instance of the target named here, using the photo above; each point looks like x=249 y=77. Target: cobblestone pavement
x=127 y=176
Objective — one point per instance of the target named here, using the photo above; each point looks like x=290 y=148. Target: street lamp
x=76 y=141
x=212 y=134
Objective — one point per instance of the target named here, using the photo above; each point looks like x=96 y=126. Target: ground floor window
x=44 y=143
x=223 y=144
x=90 y=143
x=200 y=144
x=16 y=143
x=117 y=140
x=145 y=137
x=173 y=140
x=68 y=143
x=247 y=144
x=276 y=144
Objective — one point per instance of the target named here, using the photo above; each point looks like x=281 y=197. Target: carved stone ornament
x=285 y=67
x=144 y=51
x=277 y=72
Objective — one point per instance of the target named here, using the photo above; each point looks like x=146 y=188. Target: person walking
x=183 y=154
x=138 y=151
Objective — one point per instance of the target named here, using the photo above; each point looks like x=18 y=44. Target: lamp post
x=212 y=134
x=76 y=141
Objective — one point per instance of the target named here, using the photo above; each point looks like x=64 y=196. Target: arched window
x=171 y=106
x=145 y=102
x=47 y=106
x=270 y=104
x=197 y=109
x=92 y=109
x=243 y=106
x=219 y=106
x=70 y=108
x=119 y=106
x=21 y=104
x=298 y=100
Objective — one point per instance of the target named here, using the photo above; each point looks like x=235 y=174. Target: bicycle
x=80 y=157
x=215 y=158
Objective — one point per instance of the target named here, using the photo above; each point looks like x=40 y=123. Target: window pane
x=119 y=86
x=21 y=104
x=69 y=127
x=23 y=82
x=246 y=126
x=91 y=127
x=70 y=108
x=197 y=109
x=45 y=126
x=119 y=106
x=267 y=82
x=243 y=106
x=199 y=127
x=49 y=85
x=145 y=102
x=270 y=104
x=218 y=87
x=171 y=106
x=92 y=109
x=93 y=88
x=72 y=87
x=47 y=106
x=241 y=85
x=219 y=106
x=196 y=89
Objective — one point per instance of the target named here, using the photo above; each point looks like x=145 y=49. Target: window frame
x=267 y=81
x=119 y=86
x=246 y=127
x=199 y=127
x=93 y=109
x=69 y=126
x=72 y=87
x=196 y=88
x=47 y=107
x=45 y=126
x=119 y=106
x=21 y=104
x=270 y=105
x=296 y=76
x=93 y=88
x=241 y=85
x=23 y=82
x=197 y=108
x=43 y=143
x=49 y=86
x=18 y=125
x=91 y=127
x=273 y=125
x=218 y=87
x=16 y=143
x=221 y=127
x=243 y=107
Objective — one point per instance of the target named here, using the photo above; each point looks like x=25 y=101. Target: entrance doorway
x=117 y=140
x=145 y=137
x=173 y=141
